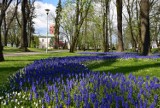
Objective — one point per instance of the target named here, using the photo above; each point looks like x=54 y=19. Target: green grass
x=13 y=64
x=17 y=50
x=11 y=50
x=141 y=67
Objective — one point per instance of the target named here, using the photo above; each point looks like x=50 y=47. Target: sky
x=53 y=2
x=41 y=19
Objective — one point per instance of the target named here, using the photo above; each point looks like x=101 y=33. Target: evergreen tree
x=57 y=22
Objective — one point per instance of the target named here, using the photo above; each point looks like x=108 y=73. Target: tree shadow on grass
x=5 y=72
x=120 y=68
x=130 y=69
x=98 y=64
x=16 y=60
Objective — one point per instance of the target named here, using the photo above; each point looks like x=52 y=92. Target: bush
x=155 y=50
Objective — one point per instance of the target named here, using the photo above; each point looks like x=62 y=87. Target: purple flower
x=96 y=104
x=47 y=97
x=156 y=98
x=33 y=88
x=152 y=105
x=36 y=95
x=30 y=98
x=62 y=95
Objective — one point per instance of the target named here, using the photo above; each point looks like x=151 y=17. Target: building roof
x=44 y=36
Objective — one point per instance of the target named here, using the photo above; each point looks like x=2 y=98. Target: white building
x=43 y=41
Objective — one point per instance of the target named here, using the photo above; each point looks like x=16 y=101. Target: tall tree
x=82 y=8
x=8 y=19
x=105 y=10
x=24 y=40
x=130 y=10
x=145 y=26
x=139 y=26
x=68 y=20
x=57 y=22
x=4 y=6
x=106 y=45
x=119 y=26
x=30 y=16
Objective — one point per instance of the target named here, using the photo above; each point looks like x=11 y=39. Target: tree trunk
x=139 y=28
x=2 y=14
x=5 y=37
x=105 y=26
x=1 y=48
x=106 y=49
x=24 y=40
x=5 y=31
x=57 y=23
x=131 y=31
x=119 y=26
x=5 y=4
x=80 y=17
x=85 y=34
x=76 y=33
x=104 y=33
x=145 y=27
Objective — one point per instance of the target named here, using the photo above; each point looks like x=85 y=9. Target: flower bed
x=66 y=82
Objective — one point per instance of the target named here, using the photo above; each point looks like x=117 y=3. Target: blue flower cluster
x=65 y=82
x=124 y=55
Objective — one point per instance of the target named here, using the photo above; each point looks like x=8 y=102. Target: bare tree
x=30 y=16
x=82 y=9
x=130 y=10
x=8 y=20
x=4 y=6
x=67 y=22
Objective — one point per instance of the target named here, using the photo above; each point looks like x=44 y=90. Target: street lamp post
x=47 y=12
x=0 y=4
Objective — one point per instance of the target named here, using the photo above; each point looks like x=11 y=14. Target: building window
x=42 y=40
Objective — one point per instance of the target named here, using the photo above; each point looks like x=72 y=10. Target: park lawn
x=11 y=50
x=138 y=67
x=142 y=67
x=8 y=50
x=13 y=64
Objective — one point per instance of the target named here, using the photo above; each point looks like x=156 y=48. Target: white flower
x=40 y=101
x=1 y=97
x=15 y=93
x=16 y=100
x=15 y=107
x=36 y=104
x=19 y=94
x=18 y=103
x=4 y=103
x=7 y=95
